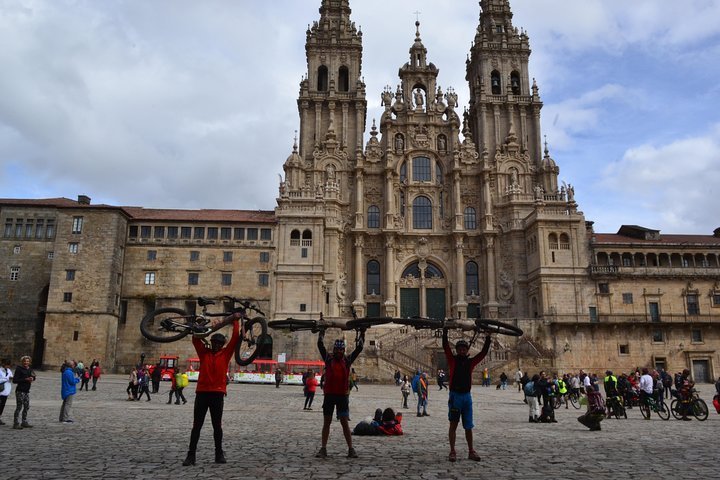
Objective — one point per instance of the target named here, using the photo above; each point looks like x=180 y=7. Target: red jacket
x=311 y=383
x=214 y=365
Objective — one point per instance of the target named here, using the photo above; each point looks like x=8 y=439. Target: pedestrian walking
x=23 y=377
x=6 y=377
x=68 y=385
x=85 y=378
x=405 y=389
x=132 y=389
x=156 y=377
x=143 y=384
x=422 y=402
x=311 y=384
x=278 y=377
x=181 y=381
x=96 y=372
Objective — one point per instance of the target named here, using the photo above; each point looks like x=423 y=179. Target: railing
x=634 y=318
x=654 y=271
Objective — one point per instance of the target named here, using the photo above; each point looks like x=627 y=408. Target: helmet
x=462 y=343
x=608 y=372
x=339 y=344
x=218 y=338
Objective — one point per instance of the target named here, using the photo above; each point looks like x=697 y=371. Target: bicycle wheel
x=419 y=322
x=365 y=323
x=700 y=409
x=166 y=325
x=645 y=410
x=501 y=328
x=663 y=411
x=253 y=342
x=575 y=401
x=675 y=407
x=557 y=402
x=292 y=324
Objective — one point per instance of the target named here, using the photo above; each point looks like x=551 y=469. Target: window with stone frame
x=172 y=232
x=199 y=233
x=152 y=255
x=239 y=234
x=693 y=307
x=226 y=279
x=225 y=233
x=716 y=299
x=185 y=232
x=67 y=297
x=696 y=335
x=373 y=217
x=14 y=274
x=472 y=279
x=603 y=288
x=194 y=255
x=470 y=219
x=193 y=278
x=266 y=234
x=657 y=336
x=149 y=278
x=69 y=275
x=145 y=231
x=263 y=279
x=8 y=228
x=227 y=257
x=77 y=224
x=422 y=213
x=73 y=247
x=212 y=233
x=627 y=298
x=252 y=233
x=39 y=228
x=16 y=250
x=159 y=232
x=50 y=228
x=264 y=257
x=421 y=169
x=624 y=349
x=373 y=277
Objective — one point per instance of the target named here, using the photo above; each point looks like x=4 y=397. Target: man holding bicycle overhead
x=460 y=406
x=212 y=387
x=336 y=389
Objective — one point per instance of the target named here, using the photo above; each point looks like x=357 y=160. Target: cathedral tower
x=317 y=192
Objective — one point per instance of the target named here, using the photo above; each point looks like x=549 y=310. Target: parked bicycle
x=170 y=324
x=651 y=405
x=615 y=407
x=694 y=406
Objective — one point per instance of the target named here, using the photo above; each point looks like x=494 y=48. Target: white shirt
x=646 y=383
x=586 y=381
x=6 y=376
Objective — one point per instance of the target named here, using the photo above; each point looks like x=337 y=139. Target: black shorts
x=339 y=402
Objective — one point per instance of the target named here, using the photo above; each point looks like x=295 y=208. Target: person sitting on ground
x=385 y=422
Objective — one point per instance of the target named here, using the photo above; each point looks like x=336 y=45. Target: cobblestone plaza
x=268 y=435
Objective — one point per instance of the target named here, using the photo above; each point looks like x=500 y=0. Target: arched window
x=373 y=217
x=472 y=280
x=422 y=213
x=373 y=277
x=322 y=79
x=421 y=169
x=295 y=238
x=343 y=79
x=495 y=85
x=515 y=83
x=431 y=271
x=470 y=219
x=307 y=238
x=403 y=172
x=553 y=241
x=564 y=241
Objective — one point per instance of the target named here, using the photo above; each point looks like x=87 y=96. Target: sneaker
x=68 y=421
x=189 y=460
x=17 y=426
x=352 y=453
x=27 y=425
x=425 y=414
x=473 y=455
x=322 y=453
x=184 y=402
x=220 y=457
x=453 y=456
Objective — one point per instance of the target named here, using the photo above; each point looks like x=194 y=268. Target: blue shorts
x=460 y=405
x=340 y=403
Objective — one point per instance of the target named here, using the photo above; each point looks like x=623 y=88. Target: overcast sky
x=192 y=104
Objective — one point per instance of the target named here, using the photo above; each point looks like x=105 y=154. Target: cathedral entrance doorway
x=423 y=291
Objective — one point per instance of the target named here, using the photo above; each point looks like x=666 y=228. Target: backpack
x=529 y=389
x=181 y=381
x=416 y=383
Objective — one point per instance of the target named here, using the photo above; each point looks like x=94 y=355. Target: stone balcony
x=600 y=271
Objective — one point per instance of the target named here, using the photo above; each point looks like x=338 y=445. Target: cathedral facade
x=441 y=212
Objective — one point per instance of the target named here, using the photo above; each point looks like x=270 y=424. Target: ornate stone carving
x=505 y=288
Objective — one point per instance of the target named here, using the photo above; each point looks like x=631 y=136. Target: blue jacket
x=68 y=382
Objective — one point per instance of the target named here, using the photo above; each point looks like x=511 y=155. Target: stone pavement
x=268 y=435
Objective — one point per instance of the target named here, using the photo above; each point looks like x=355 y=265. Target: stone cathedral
x=433 y=210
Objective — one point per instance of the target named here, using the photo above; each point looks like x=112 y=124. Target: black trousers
x=204 y=401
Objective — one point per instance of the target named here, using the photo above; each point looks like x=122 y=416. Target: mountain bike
x=476 y=326
x=695 y=406
x=651 y=405
x=573 y=399
x=357 y=324
x=170 y=324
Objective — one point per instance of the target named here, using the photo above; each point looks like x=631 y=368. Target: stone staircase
x=408 y=349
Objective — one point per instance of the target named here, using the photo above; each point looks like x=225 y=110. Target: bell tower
x=316 y=193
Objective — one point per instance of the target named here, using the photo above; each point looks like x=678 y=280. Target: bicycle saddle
x=202 y=301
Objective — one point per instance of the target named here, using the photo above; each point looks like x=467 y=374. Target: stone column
x=390 y=303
